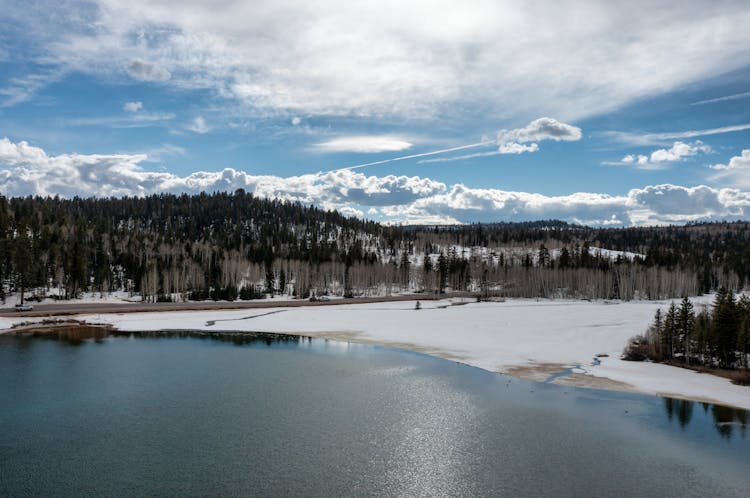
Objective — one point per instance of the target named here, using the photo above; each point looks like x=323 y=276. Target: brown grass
x=740 y=376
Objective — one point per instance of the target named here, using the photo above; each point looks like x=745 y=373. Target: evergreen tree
x=654 y=334
x=282 y=281
x=686 y=327
x=404 y=267
x=743 y=332
x=564 y=259
x=725 y=327
x=669 y=331
x=442 y=272
x=543 y=256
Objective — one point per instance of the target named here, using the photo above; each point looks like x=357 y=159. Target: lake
x=263 y=415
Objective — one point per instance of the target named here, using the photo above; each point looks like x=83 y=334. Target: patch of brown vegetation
x=591 y=382
x=740 y=376
x=538 y=372
x=66 y=330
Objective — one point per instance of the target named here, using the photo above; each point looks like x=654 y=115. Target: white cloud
x=21 y=89
x=516 y=148
x=158 y=154
x=25 y=169
x=139 y=119
x=735 y=173
x=296 y=121
x=659 y=158
x=146 y=71
x=538 y=130
x=638 y=159
x=725 y=98
x=679 y=151
x=741 y=162
x=572 y=58
x=660 y=138
x=364 y=144
x=199 y=125
x=513 y=141
x=132 y=106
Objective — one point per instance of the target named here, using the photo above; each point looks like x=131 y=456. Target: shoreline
x=529 y=339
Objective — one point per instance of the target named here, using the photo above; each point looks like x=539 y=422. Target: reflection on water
x=77 y=334
x=679 y=408
x=253 y=414
x=725 y=418
x=72 y=333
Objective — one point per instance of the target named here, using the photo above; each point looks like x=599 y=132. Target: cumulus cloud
x=514 y=141
x=660 y=158
x=403 y=59
x=26 y=169
x=638 y=159
x=538 y=130
x=736 y=172
x=515 y=148
x=679 y=151
x=146 y=71
x=132 y=106
x=652 y=205
x=199 y=125
x=364 y=144
x=741 y=162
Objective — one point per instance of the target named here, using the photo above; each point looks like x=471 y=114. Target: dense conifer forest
x=237 y=246
x=716 y=336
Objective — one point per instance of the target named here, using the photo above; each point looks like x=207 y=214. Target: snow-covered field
x=524 y=337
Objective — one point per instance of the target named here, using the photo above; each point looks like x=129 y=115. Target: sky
x=600 y=113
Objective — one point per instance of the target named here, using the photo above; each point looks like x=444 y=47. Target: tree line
x=238 y=246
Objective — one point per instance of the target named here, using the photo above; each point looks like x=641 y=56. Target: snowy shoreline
x=525 y=338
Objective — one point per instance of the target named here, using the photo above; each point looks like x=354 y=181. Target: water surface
x=263 y=415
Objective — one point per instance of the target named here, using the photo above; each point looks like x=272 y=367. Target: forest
x=227 y=246
x=718 y=337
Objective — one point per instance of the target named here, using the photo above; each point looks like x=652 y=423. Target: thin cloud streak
x=458 y=158
x=658 y=138
x=508 y=142
x=736 y=96
x=413 y=156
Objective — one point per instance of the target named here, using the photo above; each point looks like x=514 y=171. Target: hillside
x=238 y=246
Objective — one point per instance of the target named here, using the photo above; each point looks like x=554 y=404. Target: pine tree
x=442 y=272
x=686 y=327
x=725 y=327
x=653 y=335
x=743 y=332
x=543 y=256
x=282 y=281
x=404 y=267
x=564 y=260
x=669 y=331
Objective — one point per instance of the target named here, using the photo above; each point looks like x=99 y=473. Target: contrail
x=723 y=99
x=423 y=154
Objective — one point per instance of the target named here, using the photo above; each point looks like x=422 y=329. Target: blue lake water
x=244 y=415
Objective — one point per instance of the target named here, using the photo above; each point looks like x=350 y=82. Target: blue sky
x=576 y=110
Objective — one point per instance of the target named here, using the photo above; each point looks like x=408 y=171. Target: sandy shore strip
x=525 y=338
